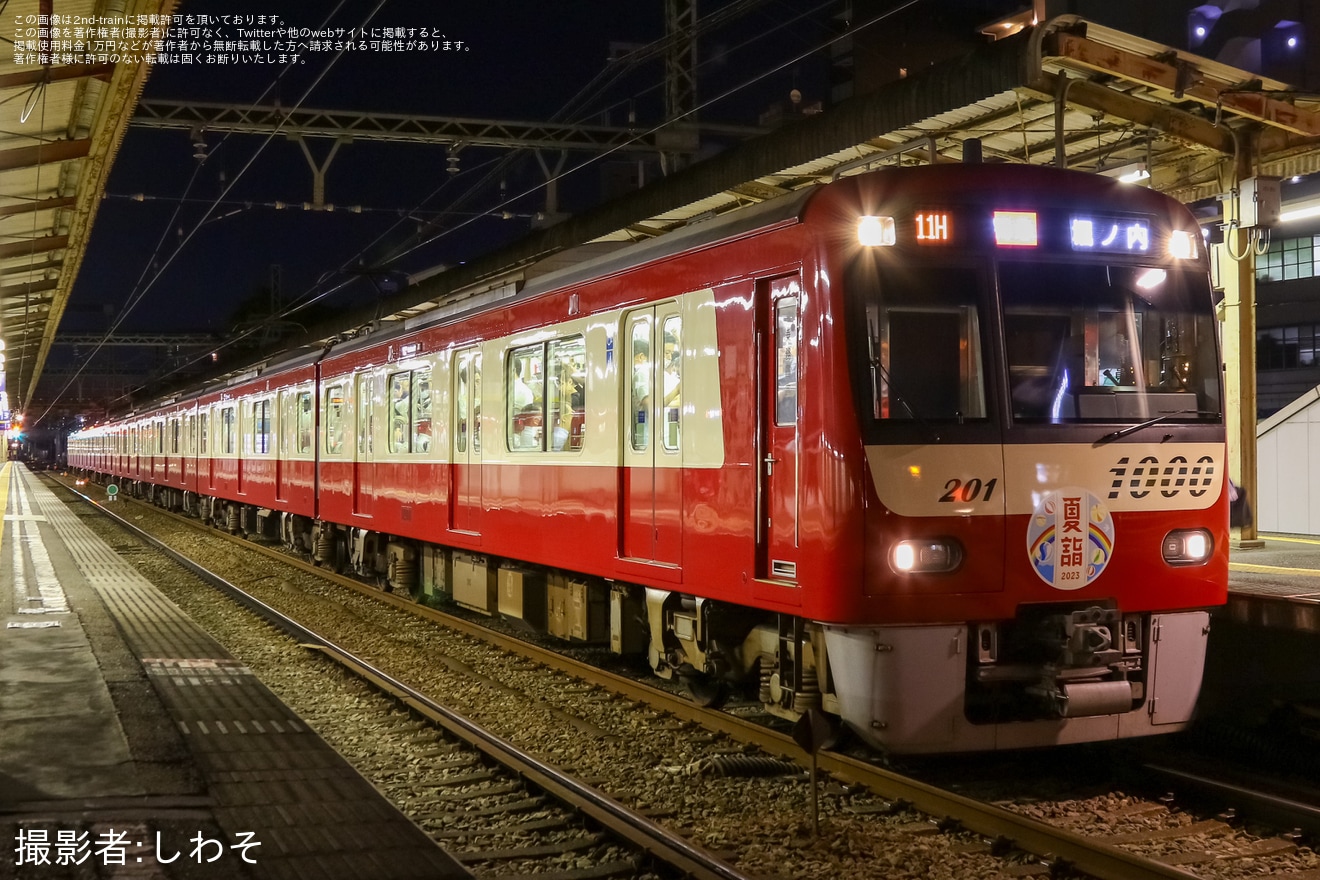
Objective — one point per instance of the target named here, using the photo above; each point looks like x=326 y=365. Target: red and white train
x=938 y=450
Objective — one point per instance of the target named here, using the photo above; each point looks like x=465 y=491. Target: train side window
x=672 y=381
x=400 y=404
x=421 y=410
x=639 y=355
x=174 y=436
x=566 y=361
x=228 y=430
x=261 y=426
x=334 y=419
x=526 y=416
x=546 y=385
x=160 y=436
x=304 y=419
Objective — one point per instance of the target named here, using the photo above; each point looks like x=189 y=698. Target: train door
x=206 y=479
x=159 y=461
x=244 y=417
x=465 y=469
x=778 y=334
x=364 y=469
x=173 y=461
x=652 y=492
x=189 y=463
x=283 y=425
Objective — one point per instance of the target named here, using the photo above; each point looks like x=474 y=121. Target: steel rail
x=1059 y=846
x=1274 y=808
x=641 y=832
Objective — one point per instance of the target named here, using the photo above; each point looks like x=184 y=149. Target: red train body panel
x=968 y=418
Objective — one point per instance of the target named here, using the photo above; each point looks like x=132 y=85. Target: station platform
x=1277 y=583
x=1264 y=647
x=133 y=746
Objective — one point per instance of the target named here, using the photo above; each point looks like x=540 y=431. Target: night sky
x=170 y=238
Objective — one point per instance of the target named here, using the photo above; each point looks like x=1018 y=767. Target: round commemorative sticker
x=1070 y=538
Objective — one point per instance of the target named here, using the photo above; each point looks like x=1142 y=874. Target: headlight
x=928 y=555
x=876 y=231
x=1182 y=245
x=1187 y=547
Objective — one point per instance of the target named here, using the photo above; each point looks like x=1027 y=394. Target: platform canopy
x=64 y=106
x=1064 y=92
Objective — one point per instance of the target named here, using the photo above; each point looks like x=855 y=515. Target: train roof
x=701 y=233
x=1050 y=184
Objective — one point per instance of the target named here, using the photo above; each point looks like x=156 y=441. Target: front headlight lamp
x=925 y=555
x=1187 y=547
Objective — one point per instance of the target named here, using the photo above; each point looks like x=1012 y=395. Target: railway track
x=688 y=767
x=529 y=816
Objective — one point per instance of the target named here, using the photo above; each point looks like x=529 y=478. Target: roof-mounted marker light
x=1182 y=245
x=1015 y=229
x=876 y=231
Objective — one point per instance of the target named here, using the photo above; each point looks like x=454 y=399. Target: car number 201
x=957 y=490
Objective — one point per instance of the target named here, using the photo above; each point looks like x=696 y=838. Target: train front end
x=1036 y=371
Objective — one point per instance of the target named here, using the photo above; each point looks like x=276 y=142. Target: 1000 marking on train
x=1138 y=480
x=1171 y=478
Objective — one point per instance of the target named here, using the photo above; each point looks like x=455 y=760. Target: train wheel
x=707 y=692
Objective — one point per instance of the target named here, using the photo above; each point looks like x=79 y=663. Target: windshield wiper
x=1162 y=417
x=901 y=401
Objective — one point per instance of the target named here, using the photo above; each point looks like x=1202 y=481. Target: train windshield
x=1083 y=343
x=1108 y=343
x=924 y=329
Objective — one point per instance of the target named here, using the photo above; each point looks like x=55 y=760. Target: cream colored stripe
x=1272 y=569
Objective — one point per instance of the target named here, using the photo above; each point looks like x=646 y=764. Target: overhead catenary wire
x=648 y=132
x=319 y=292
x=643 y=133
x=159 y=268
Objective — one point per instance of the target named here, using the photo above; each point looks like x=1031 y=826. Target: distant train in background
x=939 y=450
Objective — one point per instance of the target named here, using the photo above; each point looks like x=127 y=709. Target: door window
x=639 y=355
x=786 y=361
